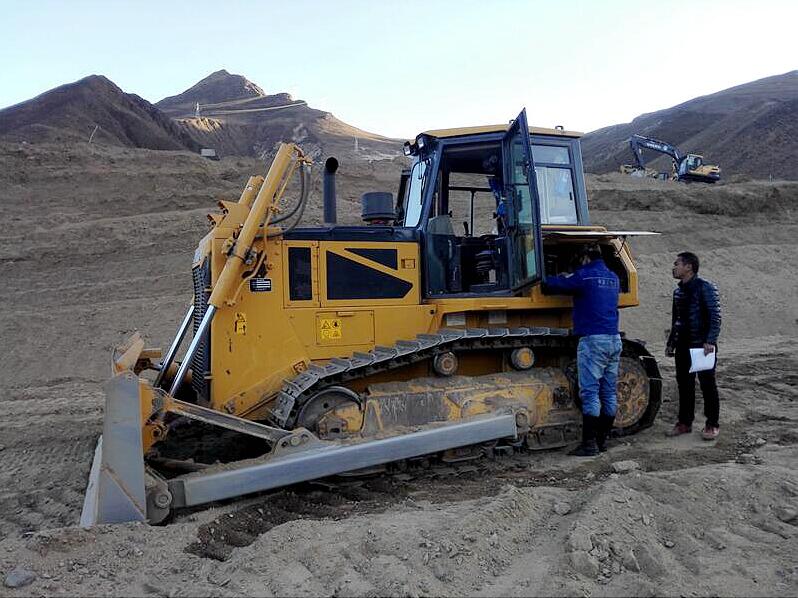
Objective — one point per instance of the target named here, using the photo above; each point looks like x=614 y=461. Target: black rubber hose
x=302 y=197
x=301 y=204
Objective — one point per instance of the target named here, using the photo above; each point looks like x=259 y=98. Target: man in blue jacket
x=595 y=290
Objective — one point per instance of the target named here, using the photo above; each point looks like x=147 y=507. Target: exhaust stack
x=330 y=210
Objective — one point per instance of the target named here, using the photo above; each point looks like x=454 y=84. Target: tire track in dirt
x=47 y=434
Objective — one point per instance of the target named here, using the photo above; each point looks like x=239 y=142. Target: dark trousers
x=686 y=382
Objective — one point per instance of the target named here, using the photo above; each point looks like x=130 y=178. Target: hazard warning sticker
x=330 y=328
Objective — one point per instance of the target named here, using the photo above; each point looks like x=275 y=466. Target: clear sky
x=400 y=67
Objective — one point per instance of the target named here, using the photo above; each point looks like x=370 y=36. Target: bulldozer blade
x=318 y=459
x=116 y=489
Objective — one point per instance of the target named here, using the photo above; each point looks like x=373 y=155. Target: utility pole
x=196 y=111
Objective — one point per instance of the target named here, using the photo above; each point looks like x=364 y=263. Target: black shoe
x=603 y=431
x=588 y=448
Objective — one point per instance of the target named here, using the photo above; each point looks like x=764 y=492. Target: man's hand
x=708 y=348
x=669 y=351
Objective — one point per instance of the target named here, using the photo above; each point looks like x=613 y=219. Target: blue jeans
x=597 y=360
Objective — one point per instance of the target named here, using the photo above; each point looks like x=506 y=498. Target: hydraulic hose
x=304 y=193
x=302 y=197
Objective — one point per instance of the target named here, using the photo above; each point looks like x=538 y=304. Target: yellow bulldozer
x=333 y=349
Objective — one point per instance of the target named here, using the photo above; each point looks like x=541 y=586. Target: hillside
x=236 y=117
x=71 y=112
x=750 y=130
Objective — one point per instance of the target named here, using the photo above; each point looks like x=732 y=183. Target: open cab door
x=523 y=206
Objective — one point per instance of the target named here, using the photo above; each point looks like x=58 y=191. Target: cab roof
x=443 y=133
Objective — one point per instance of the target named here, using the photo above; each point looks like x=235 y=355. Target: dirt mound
x=750 y=129
x=698 y=531
x=71 y=112
x=748 y=199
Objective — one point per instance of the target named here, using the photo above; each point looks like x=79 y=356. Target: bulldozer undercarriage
x=321 y=426
x=296 y=400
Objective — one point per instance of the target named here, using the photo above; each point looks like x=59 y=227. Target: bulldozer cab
x=479 y=200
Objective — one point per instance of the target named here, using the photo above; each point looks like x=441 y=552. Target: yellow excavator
x=333 y=349
x=687 y=168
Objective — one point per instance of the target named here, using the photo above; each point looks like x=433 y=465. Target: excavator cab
x=692 y=168
x=693 y=162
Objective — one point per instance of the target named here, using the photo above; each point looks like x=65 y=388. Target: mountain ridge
x=70 y=112
x=749 y=129
x=235 y=116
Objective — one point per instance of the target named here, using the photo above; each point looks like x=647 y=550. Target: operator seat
x=443 y=256
x=441 y=225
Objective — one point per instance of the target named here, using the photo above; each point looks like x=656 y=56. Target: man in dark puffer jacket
x=695 y=324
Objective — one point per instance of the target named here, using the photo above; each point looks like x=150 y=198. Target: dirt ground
x=97 y=242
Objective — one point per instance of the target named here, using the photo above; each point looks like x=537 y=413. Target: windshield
x=415 y=193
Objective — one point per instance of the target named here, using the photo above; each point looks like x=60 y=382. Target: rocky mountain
x=217 y=88
x=223 y=111
x=750 y=130
x=71 y=112
x=231 y=114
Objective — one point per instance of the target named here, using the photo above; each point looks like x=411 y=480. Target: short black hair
x=592 y=251
x=688 y=257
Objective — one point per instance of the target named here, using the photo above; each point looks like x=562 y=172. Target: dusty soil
x=98 y=241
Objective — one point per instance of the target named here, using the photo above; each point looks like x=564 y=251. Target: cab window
x=412 y=206
x=693 y=162
x=555 y=181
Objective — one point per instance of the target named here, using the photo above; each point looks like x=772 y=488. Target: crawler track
x=639 y=370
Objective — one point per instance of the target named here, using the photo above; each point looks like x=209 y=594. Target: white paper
x=700 y=362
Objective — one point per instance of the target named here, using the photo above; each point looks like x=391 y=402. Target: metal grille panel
x=201 y=364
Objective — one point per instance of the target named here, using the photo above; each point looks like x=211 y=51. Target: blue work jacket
x=595 y=289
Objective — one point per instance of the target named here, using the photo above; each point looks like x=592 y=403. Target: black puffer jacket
x=696 y=314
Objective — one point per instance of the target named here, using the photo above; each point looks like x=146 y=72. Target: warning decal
x=330 y=328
